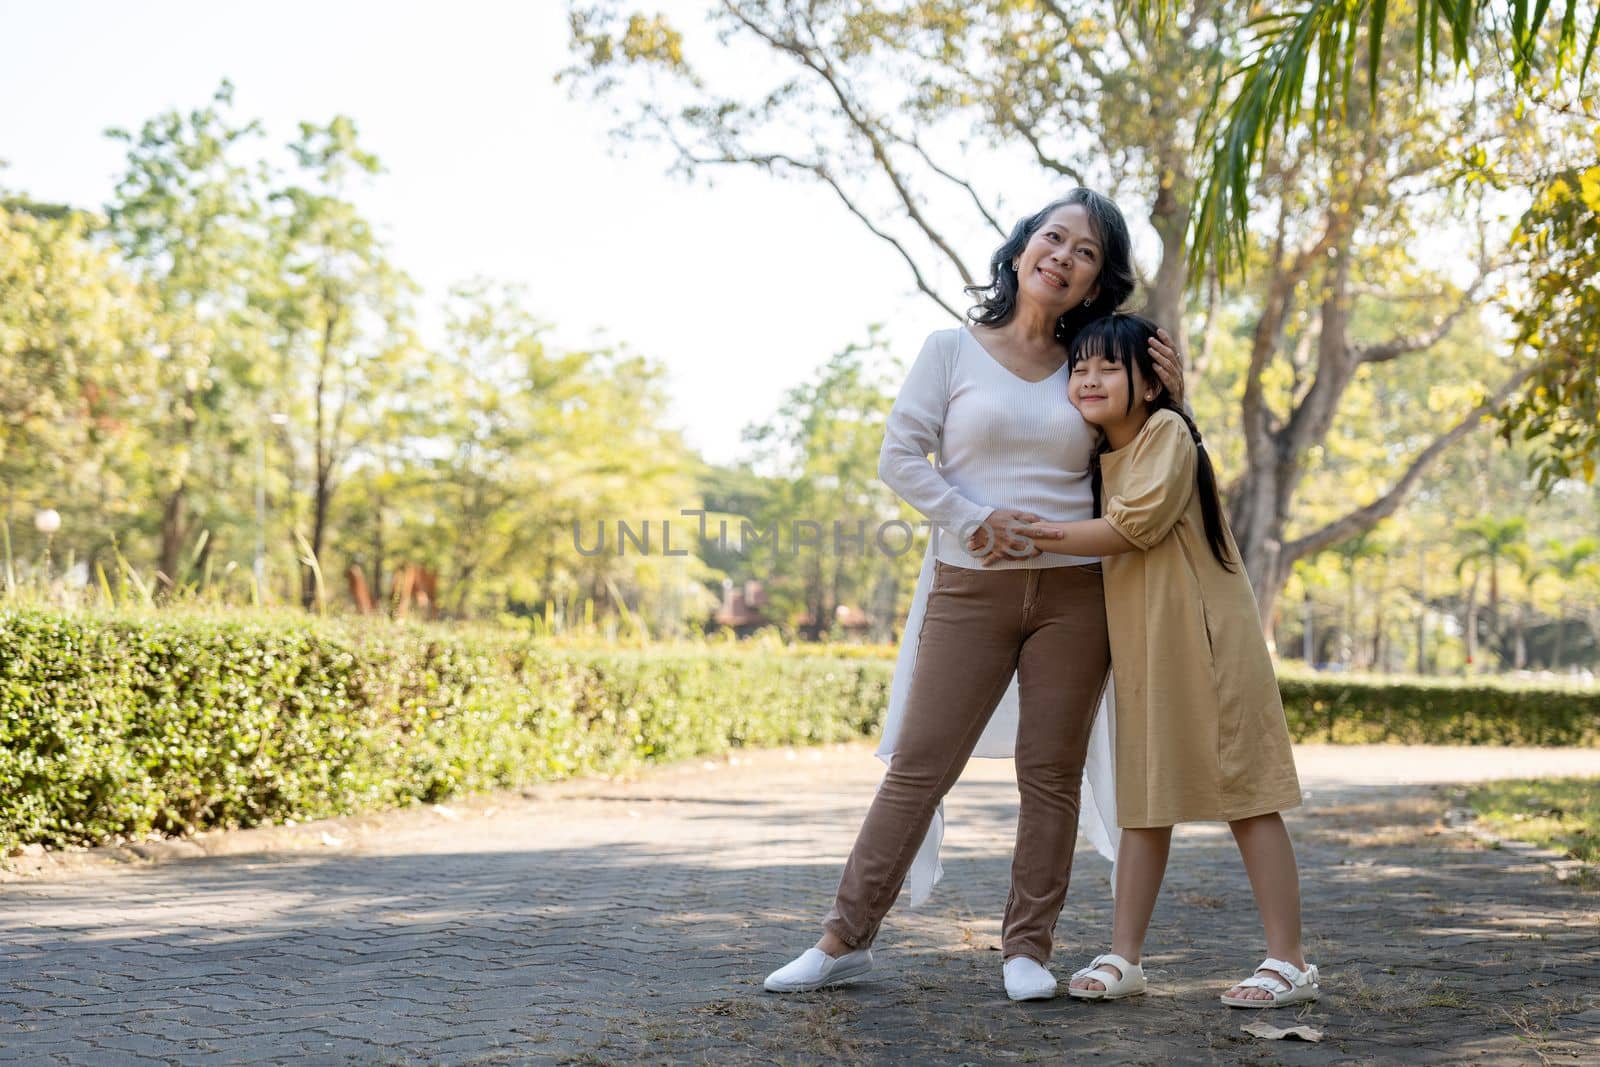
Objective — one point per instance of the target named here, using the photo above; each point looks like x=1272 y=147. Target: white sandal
x=1287 y=983
x=1129 y=984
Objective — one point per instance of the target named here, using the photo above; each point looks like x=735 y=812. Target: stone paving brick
x=111 y=1058
x=601 y=922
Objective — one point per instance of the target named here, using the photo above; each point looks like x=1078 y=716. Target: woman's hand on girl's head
x=1169 y=364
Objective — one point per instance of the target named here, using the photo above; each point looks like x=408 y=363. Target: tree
x=341 y=315
x=1560 y=321
x=527 y=451
x=1332 y=252
x=1364 y=547
x=886 y=105
x=185 y=217
x=824 y=444
x=1488 y=542
x=497 y=493
x=1325 y=40
x=867 y=91
x=75 y=369
x=1297 y=80
x=1570 y=564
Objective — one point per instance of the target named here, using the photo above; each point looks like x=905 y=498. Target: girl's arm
x=1091 y=537
x=1156 y=488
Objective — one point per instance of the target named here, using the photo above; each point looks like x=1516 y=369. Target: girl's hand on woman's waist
x=1089 y=537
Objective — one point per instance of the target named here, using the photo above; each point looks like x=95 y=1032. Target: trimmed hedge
x=124 y=726
x=116 y=726
x=1419 y=711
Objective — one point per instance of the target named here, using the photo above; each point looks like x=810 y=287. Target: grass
x=1554 y=813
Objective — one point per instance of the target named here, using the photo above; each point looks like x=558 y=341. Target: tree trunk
x=1494 y=601
x=833 y=588
x=1378 y=622
x=1347 y=640
x=888 y=607
x=547 y=582
x=1561 y=639
x=326 y=447
x=1422 y=610
x=319 y=529
x=1170 y=217
x=10 y=566
x=1258 y=533
x=1472 y=624
x=1422 y=640
x=173 y=522
x=174 y=515
x=464 y=587
x=1308 y=639
x=377 y=548
x=1259 y=500
x=203 y=561
x=814 y=598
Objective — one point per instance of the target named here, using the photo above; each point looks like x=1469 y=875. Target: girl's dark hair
x=1116 y=266
x=1125 y=340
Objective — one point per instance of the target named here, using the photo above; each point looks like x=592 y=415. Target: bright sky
x=739 y=290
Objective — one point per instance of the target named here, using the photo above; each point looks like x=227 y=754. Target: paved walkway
x=618 y=922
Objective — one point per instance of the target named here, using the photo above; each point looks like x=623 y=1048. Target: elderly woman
x=989 y=400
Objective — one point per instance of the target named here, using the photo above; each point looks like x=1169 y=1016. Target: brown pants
x=1049 y=626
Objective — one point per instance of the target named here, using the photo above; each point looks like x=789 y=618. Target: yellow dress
x=1200 y=734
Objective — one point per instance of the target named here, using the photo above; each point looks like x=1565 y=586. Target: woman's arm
x=914 y=429
x=1169 y=368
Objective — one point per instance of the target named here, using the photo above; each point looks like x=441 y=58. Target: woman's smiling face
x=1060 y=265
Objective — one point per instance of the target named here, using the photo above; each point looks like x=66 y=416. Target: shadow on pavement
x=1431 y=952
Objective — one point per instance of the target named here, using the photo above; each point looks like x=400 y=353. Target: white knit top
x=997 y=440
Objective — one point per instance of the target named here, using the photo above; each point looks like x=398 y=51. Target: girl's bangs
x=1091 y=343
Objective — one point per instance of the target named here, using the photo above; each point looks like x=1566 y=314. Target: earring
x=1088 y=300
x=1013 y=267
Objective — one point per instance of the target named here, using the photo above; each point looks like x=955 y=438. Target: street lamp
x=47 y=522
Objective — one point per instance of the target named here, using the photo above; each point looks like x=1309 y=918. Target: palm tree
x=1531 y=568
x=1299 y=78
x=1352 y=553
x=1571 y=564
x=1489 y=541
x=1323 y=41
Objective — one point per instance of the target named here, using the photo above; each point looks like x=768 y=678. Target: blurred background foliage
x=215 y=384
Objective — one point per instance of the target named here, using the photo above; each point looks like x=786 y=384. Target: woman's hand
x=997 y=539
x=1169 y=364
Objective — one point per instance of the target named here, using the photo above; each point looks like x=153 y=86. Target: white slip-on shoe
x=815 y=969
x=1027 y=980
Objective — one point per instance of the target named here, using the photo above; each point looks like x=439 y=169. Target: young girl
x=1200 y=730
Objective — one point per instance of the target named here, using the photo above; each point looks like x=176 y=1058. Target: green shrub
x=1419 y=711
x=127 y=726
x=117 y=725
